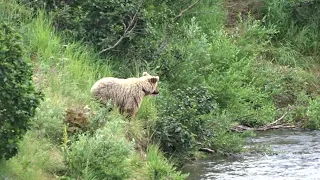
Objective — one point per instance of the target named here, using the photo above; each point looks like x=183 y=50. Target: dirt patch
x=77 y=119
x=239 y=10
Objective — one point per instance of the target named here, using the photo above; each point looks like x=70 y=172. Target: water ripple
x=298 y=158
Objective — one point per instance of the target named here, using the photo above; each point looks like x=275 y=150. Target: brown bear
x=126 y=94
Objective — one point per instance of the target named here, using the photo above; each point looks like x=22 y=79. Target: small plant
x=48 y=121
x=159 y=168
x=225 y=141
x=313 y=113
x=18 y=99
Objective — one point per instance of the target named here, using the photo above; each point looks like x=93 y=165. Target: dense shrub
x=221 y=75
x=184 y=120
x=146 y=42
x=104 y=24
x=113 y=25
x=104 y=155
x=18 y=99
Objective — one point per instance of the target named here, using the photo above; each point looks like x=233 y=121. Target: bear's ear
x=145 y=74
x=154 y=79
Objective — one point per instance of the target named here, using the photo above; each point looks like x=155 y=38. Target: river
x=296 y=156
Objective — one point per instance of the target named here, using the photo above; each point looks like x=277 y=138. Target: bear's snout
x=155 y=92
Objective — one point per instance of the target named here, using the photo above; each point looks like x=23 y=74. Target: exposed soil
x=242 y=8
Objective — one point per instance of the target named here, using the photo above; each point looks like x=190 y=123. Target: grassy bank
x=64 y=72
x=212 y=77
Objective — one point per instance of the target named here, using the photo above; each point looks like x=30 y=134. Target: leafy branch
x=127 y=31
x=184 y=10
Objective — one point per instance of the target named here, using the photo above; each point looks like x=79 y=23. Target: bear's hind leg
x=130 y=113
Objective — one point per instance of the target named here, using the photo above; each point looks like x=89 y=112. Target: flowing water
x=297 y=156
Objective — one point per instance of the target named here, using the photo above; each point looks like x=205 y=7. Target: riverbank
x=257 y=74
x=64 y=72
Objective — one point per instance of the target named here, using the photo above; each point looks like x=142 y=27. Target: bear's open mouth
x=155 y=93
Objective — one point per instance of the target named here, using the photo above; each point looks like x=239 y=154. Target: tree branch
x=127 y=30
x=207 y=150
x=184 y=10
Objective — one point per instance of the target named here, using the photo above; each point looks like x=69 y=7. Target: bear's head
x=151 y=85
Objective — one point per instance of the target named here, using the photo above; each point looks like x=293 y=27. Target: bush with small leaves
x=183 y=120
x=18 y=97
x=313 y=113
x=113 y=25
x=106 y=154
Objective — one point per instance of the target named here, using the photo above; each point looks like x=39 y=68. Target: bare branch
x=272 y=125
x=275 y=122
x=127 y=31
x=184 y=10
x=207 y=150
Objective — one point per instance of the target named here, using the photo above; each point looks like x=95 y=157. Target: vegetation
x=216 y=70
x=18 y=99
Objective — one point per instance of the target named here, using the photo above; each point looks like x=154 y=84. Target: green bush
x=104 y=155
x=224 y=141
x=49 y=121
x=158 y=166
x=18 y=99
x=98 y=22
x=183 y=119
x=313 y=113
x=193 y=119
x=251 y=107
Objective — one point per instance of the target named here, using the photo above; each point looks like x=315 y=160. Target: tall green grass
x=37 y=159
x=64 y=71
x=297 y=42
x=158 y=167
x=69 y=67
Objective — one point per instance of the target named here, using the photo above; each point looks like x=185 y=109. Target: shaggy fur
x=127 y=94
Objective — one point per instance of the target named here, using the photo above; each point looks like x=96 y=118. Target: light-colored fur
x=127 y=94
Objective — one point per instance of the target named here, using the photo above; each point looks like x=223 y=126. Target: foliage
x=297 y=23
x=224 y=141
x=283 y=83
x=104 y=155
x=313 y=113
x=48 y=122
x=226 y=69
x=37 y=159
x=141 y=30
x=102 y=23
x=18 y=97
x=114 y=25
x=159 y=168
x=183 y=121
x=212 y=78
x=13 y=13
